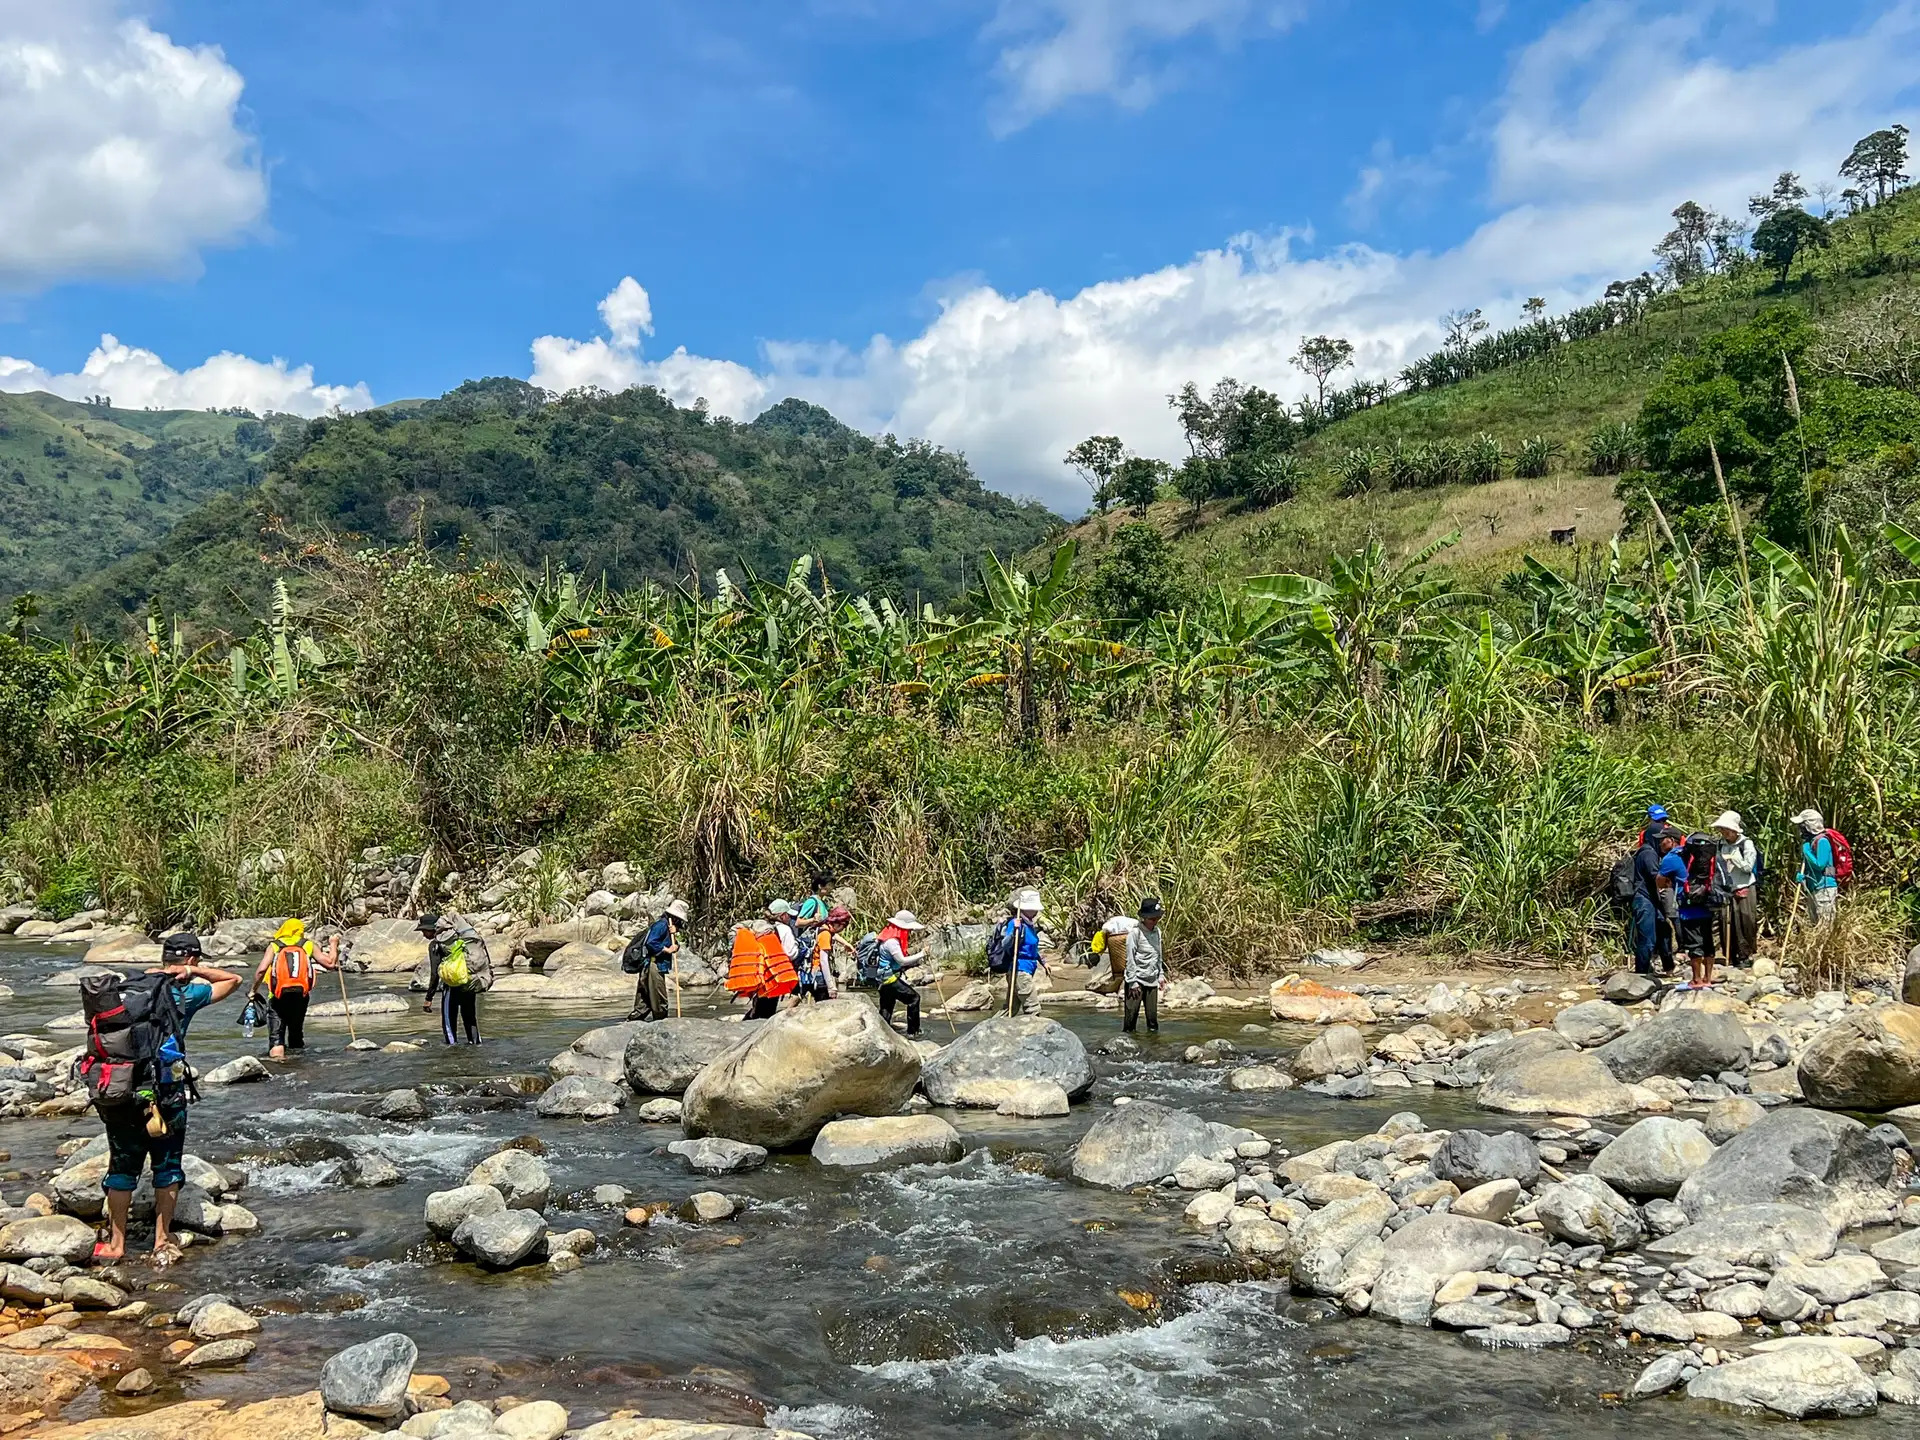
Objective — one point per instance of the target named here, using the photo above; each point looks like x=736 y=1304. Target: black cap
x=430 y=923
x=1150 y=907
x=180 y=946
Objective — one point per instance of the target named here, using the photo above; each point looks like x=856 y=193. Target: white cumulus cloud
x=138 y=379
x=1612 y=117
x=121 y=152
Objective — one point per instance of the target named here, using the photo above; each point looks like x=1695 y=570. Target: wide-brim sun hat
x=1025 y=900
x=291 y=932
x=430 y=923
x=678 y=910
x=906 y=920
x=1807 y=817
x=1730 y=820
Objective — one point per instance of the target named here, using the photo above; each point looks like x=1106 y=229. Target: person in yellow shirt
x=287 y=971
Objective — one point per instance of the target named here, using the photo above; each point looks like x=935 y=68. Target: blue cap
x=1656 y=812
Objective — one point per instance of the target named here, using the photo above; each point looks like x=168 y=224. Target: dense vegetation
x=627 y=488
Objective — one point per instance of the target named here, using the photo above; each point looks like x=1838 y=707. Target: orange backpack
x=747 y=968
x=291 y=971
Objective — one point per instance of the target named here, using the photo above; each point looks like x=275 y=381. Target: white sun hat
x=1026 y=900
x=1730 y=820
x=906 y=920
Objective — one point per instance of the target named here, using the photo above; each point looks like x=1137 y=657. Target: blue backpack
x=1002 y=948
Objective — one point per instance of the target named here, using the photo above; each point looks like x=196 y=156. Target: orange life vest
x=747 y=968
x=780 y=978
x=291 y=971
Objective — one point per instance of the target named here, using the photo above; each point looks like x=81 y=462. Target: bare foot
x=165 y=1255
x=105 y=1254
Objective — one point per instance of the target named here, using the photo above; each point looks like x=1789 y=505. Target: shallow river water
x=978 y=1298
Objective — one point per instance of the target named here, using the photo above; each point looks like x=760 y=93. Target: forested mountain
x=83 y=484
x=628 y=487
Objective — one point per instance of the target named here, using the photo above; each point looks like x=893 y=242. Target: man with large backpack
x=135 y=1067
x=1647 y=913
x=459 y=970
x=287 y=972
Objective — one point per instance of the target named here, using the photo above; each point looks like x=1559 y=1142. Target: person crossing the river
x=459 y=970
x=761 y=970
x=1020 y=939
x=650 y=956
x=817 y=979
x=1146 y=967
x=895 y=961
x=287 y=971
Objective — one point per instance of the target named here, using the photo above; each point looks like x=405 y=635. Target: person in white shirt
x=1739 y=862
x=1146 y=967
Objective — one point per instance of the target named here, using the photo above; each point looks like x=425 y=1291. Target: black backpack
x=1002 y=947
x=1621 y=880
x=1704 y=883
x=866 y=960
x=633 y=959
x=136 y=1036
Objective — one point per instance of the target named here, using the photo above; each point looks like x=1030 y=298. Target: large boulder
x=579 y=955
x=1585 y=1210
x=886 y=1140
x=1592 y=1023
x=1473 y=1157
x=1866 y=1060
x=1007 y=1047
x=1426 y=1252
x=1794 y=1156
x=599 y=1054
x=1339 y=1051
x=1653 y=1156
x=386 y=947
x=243 y=938
x=1804 y=1381
x=1686 y=1043
x=503 y=1240
x=523 y=1182
x=543 y=941
x=1573 y=1083
x=370 y=1379
x=802 y=1069
x=714 y=1156
x=581 y=1097
x=47 y=1237
x=1754 y=1235
x=447 y=1210
x=1138 y=1144
x=663 y=1056
x=1310 y=1003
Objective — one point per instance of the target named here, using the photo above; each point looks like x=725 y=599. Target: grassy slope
x=1564 y=397
x=83 y=485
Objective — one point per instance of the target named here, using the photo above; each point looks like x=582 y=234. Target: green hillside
x=628 y=488
x=83 y=485
x=1562 y=397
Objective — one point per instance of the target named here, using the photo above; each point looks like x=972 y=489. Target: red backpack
x=1842 y=856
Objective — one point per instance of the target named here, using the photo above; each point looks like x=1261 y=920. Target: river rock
x=1593 y=1023
x=1660 y=1376
x=663 y=1056
x=1653 y=1156
x=886 y=1140
x=83 y=1292
x=523 y=1182
x=1572 y=1083
x=1727 y=1118
x=581 y=1097
x=1585 y=1210
x=1685 y=1043
x=1310 y=1003
x=661 y=1110
x=802 y=1069
x=1625 y=987
x=217 y=1352
x=599 y=1054
x=1342 y=1224
x=544 y=941
x=221 y=1321
x=1017 y=1047
x=27 y=1287
x=364 y=1008
x=1425 y=1252
x=1138 y=1144
x=1801 y=1381
x=237 y=1071
x=1795 y=1156
x=1866 y=1060
x=1258 y=1077
x=1754 y=1235
x=1494 y=1201
x=718 y=1157
x=400 y=1106
x=47 y=1237
x=370 y=1379
x=446 y=1209
x=1834 y=1281
x=385 y=947
x=368 y=1170
x=1025 y=1099
x=1339 y=1051
x=503 y=1240
x=535 y=1420
x=1473 y=1157
x=707 y=1207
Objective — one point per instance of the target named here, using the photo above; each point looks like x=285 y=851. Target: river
x=984 y=1297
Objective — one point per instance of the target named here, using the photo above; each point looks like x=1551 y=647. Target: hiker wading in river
x=459 y=970
x=895 y=961
x=287 y=972
x=1014 y=950
x=1146 y=967
x=650 y=956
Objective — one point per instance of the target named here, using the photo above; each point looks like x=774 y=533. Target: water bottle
x=247 y=1020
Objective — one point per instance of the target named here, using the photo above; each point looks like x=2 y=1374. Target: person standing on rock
x=656 y=949
x=1739 y=862
x=287 y=972
x=459 y=970
x=817 y=980
x=1819 y=874
x=130 y=1141
x=1671 y=896
x=1020 y=939
x=895 y=962
x=1146 y=967
x=1645 y=920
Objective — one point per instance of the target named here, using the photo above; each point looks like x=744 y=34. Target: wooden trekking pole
x=676 y=977
x=340 y=969
x=944 y=1010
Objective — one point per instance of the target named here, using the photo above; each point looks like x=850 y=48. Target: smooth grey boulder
x=1865 y=1060
x=1585 y=1210
x=237 y=1071
x=1573 y=1082
x=370 y=1380
x=1471 y=1158
x=1685 y=1043
x=714 y=1156
x=1625 y=987
x=370 y=1170
x=1337 y=1050
x=503 y=1240
x=1653 y=1156
x=599 y=1054
x=1424 y=1253
x=1592 y=1022
x=1754 y=1235
x=1334 y=1230
x=581 y=1097
x=663 y=1056
x=1138 y=1144
x=1727 y=1118
x=1017 y=1047
x=1794 y=1156
x=523 y=1182
x=803 y=1068
x=27 y=1287
x=885 y=1140
x=48 y=1237
x=446 y=1209
x=1804 y=1382
x=399 y=1105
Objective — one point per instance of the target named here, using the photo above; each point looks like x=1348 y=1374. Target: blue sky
x=1000 y=223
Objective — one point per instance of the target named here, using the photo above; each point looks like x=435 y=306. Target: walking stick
x=675 y=962
x=944 y=1009
x=340 y=970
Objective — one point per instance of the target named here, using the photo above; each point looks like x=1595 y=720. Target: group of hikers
x=1697 y=893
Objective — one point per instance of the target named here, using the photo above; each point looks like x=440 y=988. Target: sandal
x=167 y=1254
x=101 y=1258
